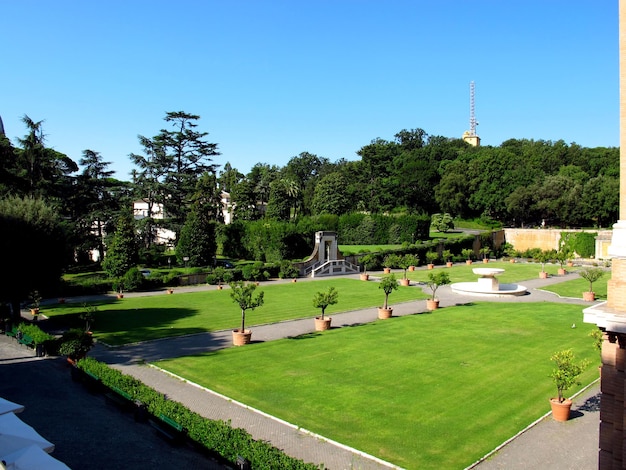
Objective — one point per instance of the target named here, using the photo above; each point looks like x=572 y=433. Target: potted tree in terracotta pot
x=485 y=252
x=404 y=263
x=75 y=344
x=467 y=254
x=447 y=255
x=590 y=275
x=562 y=257
x=431 y=257
x=544 y=257
x=243 y=295
x=388 y=284
x=365 y=261
x=390 y=261
x=436 y=280
x=322 y=300
x=565 y=374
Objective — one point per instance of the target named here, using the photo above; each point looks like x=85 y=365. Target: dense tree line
x=520 y=182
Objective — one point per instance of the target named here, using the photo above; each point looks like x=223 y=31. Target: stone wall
x=524 y=239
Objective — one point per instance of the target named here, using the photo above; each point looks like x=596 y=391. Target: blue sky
x=271 y=79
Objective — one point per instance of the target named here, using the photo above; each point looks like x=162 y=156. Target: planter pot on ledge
x=560 y=410
x=241 y=338
x=322 y=325
x=384 y=313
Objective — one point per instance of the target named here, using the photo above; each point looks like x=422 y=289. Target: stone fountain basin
x=487 y=272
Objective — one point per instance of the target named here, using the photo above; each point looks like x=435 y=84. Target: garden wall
x=548 y=239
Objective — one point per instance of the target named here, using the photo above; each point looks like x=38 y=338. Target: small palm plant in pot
x=388 y=284
x=322 y=300
x=243 y=295
x=436 y=280
x=590 y=275
x=565 y=375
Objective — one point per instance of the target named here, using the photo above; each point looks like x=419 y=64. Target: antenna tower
x=472 y=129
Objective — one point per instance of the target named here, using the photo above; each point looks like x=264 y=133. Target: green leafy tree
x=322 y=300
x=436 y=280
x=29 y=227
x=122 y=252
x=566 y=371
x=243 y=295
x=442 y=222
x=331 y=195
x=174 y=160
x=196 y=241
x=388 y=284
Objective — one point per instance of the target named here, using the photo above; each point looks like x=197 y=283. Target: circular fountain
x=487 y=284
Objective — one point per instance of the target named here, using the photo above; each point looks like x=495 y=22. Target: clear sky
x=274 y=78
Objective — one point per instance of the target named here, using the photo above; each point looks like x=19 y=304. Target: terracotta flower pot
x=432 y=304
x=543 y=275
x=384 y=313
x=468 y=261
x=512 y=260
x=34 y=311
x=294 y=280
x=570 y=264
x=322 y=325
x=387 y=270
x=240 y=338
x=431 y=266
x=411 y=268
x=562 y=272
x=560 y=410
x=449 y=264
x=364 y=277
x=120 y=296
x=405 y=282
x=485 y=260
x=589 y=296
x=170 y=291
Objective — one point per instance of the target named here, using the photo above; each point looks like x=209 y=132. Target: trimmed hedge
x=216 y=435
x=581 y=243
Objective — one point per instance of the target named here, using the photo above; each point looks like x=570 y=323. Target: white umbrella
x=15 y=434
x=7 y=406
x=33 y=458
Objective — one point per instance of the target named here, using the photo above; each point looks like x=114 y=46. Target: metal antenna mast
x=472 y=129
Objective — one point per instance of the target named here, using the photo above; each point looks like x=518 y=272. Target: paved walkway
x=531 y=449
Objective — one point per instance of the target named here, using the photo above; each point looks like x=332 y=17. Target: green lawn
x=576 y=287
x=426 y=391
x=144 y=318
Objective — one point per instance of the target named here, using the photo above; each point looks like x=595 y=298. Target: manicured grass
x=576 y=287
x=151 y=317
x=427 y=391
